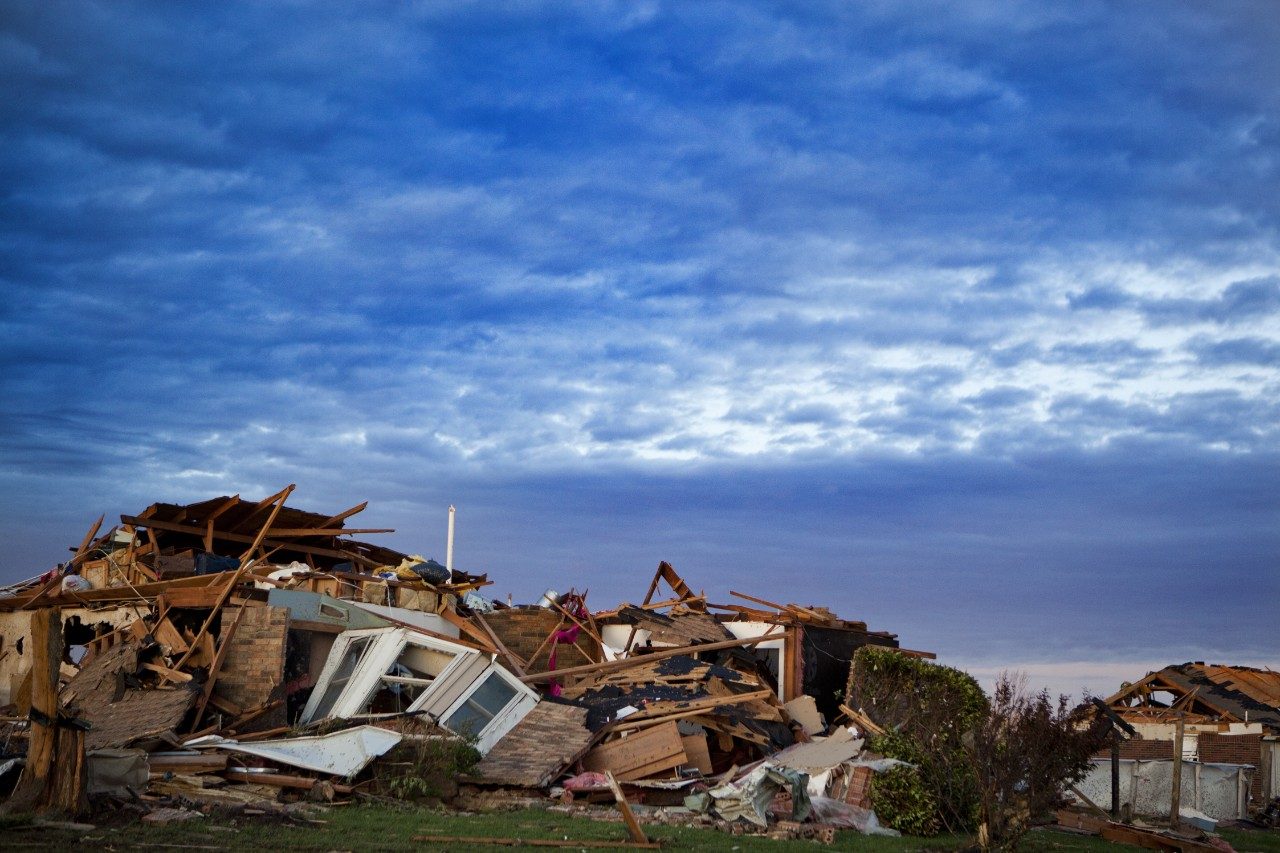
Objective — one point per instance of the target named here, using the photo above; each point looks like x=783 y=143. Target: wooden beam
x=213 y=516
x=628 y=817
x=88 y=538
x=464 y=625
x=216 y=666
x=235 y=578
x=793 y=609
x=174 y=527
x=334 y=519
x=262 y=532
x=325 y=531
x=660 y=711
x=169 y=674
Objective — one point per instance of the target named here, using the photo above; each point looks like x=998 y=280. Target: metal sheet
x=343 y=753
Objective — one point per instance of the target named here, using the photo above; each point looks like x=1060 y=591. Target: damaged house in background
x=233 y=644
x=1217 y=728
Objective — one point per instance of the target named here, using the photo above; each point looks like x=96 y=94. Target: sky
x=960 y=318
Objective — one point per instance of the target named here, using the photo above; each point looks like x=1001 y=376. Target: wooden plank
x=88 y=538
x=1080 y=822
x=235 y=577
x=663 y=709
x=342 y=516
x=225 y=705
x=325 y=531
x=234 y=500
x=793 y=609
x=862 y=721
x=628 y=817
x=642 y=754
x=253 y=714
x=464 y=625
x=468 y=841
x=200 y=596
x=1153 y=840
x=113 y=594
x=169 y=636
x=695 y=746
x=169 y=674
x=262 y=532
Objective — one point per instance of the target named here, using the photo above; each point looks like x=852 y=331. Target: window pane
x=494 y=694
x=342 y=674
x=481 y=706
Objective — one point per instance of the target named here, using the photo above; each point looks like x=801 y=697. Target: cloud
x=908 y=272
x=1256 y=351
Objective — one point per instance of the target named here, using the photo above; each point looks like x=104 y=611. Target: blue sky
x=963 y=318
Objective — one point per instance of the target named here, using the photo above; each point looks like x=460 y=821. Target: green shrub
x=926 y=710
x=901 y=801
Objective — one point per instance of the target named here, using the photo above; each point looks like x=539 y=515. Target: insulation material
x=748 y=798
x=1218 y=790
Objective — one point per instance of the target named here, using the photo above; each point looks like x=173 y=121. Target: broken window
x=382 y=672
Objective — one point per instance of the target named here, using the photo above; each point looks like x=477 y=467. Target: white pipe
x=448 y=548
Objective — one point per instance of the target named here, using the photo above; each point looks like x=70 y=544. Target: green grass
x=364 y=827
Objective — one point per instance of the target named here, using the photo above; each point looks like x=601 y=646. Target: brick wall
x=253 y=672
x=1235 y=749
x=523 y=630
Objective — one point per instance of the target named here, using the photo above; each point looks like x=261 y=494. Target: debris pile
x=247 y=656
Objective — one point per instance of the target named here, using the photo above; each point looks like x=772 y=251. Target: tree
x=1024 y=753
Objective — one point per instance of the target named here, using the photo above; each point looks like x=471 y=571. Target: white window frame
x=506 y=718
x=387 y=645
x=386 y=648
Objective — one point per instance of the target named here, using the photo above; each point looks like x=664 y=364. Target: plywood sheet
x=639 y=755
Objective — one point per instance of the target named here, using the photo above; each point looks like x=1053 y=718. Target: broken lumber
x=657 y=655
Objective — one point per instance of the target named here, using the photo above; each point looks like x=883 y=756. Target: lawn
x=365 y=827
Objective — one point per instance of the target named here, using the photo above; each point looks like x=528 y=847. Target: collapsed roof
x=1220 y=693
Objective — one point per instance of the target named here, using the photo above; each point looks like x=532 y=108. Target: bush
x=901 y=800
x=927 y=710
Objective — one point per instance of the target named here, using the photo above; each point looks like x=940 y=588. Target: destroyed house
x=1230 y=715
x=252 y=640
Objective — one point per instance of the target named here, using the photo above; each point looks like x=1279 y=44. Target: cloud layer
x=980 y=296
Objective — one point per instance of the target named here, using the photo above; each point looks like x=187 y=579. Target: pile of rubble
x=244 y=655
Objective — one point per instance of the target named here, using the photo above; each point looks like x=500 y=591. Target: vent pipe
x=448 y=548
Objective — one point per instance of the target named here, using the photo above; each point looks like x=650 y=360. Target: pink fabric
x=586 y=782
x=564 y=635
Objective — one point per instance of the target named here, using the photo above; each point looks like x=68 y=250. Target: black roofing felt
x=1190 y=676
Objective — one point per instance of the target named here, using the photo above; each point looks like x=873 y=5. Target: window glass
x=341 y=675
x=481 y=706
